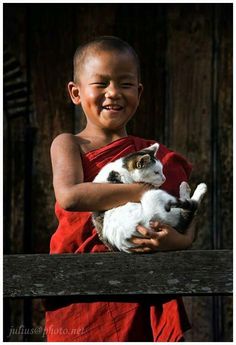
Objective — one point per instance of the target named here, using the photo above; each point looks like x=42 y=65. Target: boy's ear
x=140 y=90
x=74 y=92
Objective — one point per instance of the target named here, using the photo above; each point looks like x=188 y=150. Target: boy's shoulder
x=65 y=140
x=64 y=137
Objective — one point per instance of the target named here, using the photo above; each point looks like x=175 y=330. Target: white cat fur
x=120 y=223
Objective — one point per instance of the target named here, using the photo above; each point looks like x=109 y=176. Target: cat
x=117 y=225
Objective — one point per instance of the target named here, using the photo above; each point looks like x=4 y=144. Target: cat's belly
x=120 y=224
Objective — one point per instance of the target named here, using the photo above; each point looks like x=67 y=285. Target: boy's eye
x=126 y=85
x=100 y=84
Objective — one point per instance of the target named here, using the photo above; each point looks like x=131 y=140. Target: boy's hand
x=162 y=237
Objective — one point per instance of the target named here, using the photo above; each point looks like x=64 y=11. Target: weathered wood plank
x=189 y=108
x=189 y=78
x=224 y=107
x=182 y=272
x=50 y=70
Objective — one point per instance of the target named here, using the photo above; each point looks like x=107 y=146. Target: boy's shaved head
x=104 y=43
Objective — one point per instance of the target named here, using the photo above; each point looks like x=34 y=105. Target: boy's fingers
x=140 y=241
x=145 y=232
x=149 y=242
x=161 y=233
x=146 y=245
x=141 y=250
x=155 y=225
x=150 y=233
x=152 y=242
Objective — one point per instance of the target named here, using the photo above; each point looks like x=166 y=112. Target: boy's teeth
x=113 y=107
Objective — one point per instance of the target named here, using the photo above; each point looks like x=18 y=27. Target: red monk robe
x=158 y=319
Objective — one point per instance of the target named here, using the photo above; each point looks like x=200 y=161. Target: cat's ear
x=143 y=161
x=154 y=148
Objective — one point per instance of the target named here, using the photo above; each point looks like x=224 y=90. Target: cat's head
x=143 y=166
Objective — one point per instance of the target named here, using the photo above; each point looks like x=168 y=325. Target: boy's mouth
x=112 y=107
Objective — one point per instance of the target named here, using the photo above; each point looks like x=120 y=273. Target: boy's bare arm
x=72 y=193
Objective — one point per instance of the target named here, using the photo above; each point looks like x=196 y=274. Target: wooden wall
x=186 y=59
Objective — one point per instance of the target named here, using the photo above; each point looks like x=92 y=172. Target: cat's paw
x=199 y=192
x=202 y=187
x=184 y=190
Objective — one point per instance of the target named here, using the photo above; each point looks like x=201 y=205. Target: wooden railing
x=190 y=272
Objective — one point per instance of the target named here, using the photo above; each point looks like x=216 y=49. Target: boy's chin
x=114 y=125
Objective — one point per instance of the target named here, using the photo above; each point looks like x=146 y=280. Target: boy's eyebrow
x=122 y=76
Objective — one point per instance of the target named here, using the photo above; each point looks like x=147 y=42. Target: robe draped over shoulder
x=72 y=319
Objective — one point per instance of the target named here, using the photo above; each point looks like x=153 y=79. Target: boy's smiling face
x=108 y=89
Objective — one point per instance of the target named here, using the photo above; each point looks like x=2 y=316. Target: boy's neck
x=94 y=138
x=104 y=134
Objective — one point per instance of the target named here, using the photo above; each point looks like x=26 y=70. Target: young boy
x=107 y=86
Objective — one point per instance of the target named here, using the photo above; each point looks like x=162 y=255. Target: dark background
x=186 y=60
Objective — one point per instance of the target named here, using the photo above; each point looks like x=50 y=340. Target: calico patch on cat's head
x=141 y=159
x=144 y=166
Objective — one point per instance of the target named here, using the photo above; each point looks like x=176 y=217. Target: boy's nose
x=112 y=91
